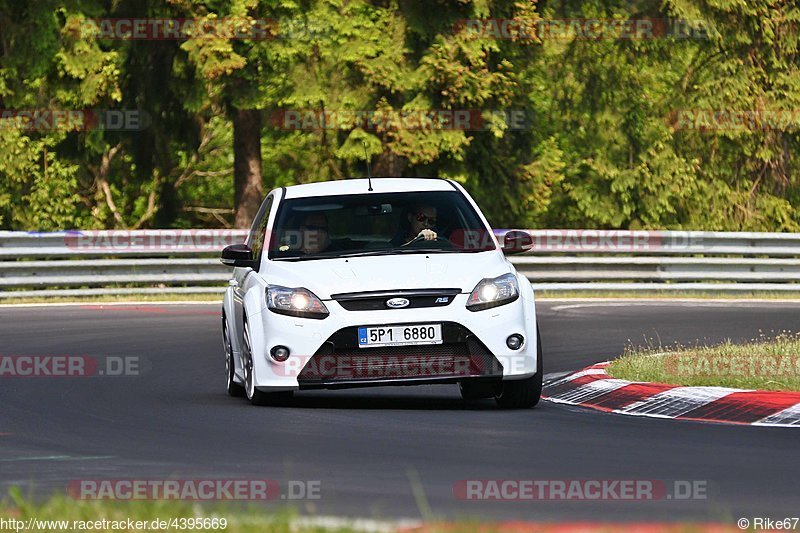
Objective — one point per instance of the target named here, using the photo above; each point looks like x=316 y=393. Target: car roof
x=361 y=186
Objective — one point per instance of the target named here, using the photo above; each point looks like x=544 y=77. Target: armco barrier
x=79 y=263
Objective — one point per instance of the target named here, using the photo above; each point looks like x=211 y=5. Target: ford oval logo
x=397 y=303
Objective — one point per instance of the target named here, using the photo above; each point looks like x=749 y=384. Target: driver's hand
x=427 y=234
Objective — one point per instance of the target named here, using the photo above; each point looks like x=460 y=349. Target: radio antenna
x=366 y=156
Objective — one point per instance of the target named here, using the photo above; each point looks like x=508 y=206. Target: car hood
x=391 y=272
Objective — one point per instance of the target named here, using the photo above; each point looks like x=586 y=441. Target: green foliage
x=601 y=146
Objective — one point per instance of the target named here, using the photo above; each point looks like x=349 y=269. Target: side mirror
x=516 y=241
x=238 y=255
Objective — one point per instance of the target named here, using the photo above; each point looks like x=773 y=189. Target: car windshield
x=377 y=224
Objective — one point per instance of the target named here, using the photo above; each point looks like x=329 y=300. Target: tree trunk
x=248 y=189
x=389 y=164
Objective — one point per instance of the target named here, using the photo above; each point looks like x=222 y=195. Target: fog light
x=280 y=353
x=514 y=341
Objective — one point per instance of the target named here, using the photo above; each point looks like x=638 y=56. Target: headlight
x=295 y=302
x=493 y=292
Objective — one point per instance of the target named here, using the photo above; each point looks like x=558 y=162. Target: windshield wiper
x=372 y=253
x=424 y=251
x=335 y=255
x=296 y=258
x=365 y=253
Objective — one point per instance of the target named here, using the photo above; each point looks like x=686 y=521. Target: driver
x=421 y=219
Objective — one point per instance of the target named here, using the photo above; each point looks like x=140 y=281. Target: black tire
x=472 y=390
x=523 y=393
x=256 y=396
x=234 y=389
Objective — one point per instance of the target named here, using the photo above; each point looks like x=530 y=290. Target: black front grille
x=422 y=350
x=340 y=361
x=376 y=301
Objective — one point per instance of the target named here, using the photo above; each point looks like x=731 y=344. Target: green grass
x=762 y=364
x=239 y=518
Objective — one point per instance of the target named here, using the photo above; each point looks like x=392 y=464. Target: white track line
x=676 y=303
x=152 y=303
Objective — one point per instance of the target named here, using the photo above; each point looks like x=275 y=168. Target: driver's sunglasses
x=313 y=227
x=431 y=221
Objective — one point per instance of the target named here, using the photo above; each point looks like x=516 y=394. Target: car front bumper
x=325 y=353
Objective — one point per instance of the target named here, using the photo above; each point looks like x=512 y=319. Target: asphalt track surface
x=366 y=446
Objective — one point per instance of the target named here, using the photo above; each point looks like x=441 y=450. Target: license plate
x=400 y=335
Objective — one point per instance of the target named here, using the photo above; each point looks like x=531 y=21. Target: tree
x=235 y=73
x=615 y=132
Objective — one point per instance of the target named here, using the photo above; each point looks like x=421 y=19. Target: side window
x=259 y=229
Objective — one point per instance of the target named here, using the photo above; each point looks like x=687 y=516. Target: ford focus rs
x=389 y=281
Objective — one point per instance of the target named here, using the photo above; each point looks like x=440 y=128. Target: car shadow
x=332 y=400
x=363 y=399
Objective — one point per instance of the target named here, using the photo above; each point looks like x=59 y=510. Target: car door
x=240 y=281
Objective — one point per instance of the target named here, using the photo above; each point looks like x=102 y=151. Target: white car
x=388 y=281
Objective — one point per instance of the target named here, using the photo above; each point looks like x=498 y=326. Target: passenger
x=314 y=234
